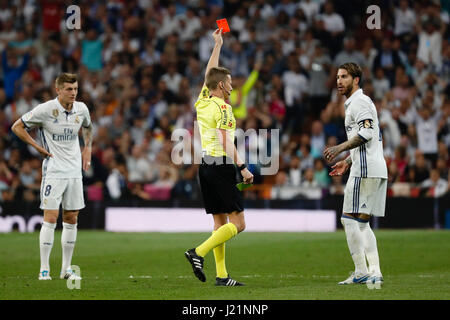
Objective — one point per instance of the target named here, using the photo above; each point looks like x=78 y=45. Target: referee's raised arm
x=214 y=59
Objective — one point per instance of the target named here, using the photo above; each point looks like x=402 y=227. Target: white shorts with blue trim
x=68 y=192
x=365 y=195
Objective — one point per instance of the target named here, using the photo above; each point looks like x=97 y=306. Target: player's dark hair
x=215 y=75
x=65 y=78
x=353 y=69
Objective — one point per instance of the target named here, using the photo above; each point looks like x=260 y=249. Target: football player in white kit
x=59 y=121
x=365 y=192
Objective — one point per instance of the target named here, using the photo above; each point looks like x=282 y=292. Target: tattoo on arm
x=87 y=136
x=348 y=160
x=354 y=142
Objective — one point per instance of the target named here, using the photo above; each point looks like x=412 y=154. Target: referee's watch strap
x=242 y=167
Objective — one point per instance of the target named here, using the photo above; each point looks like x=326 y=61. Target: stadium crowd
x=140 y=66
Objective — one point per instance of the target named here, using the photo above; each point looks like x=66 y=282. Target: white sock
x=370 y=247
x=46 y=237
x=68 y=239
x=355 y=244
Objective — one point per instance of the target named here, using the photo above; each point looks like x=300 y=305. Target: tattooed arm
x=86 y=154
x=332 y=152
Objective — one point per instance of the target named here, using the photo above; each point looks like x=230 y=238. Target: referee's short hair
x=215 y=75
x=65 y=78
x=353 y=69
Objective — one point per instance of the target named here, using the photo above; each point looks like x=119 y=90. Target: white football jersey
x=58 y=131
x=367 y=160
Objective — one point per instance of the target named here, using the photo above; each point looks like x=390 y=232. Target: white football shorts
x=68 y=192
x=365 y=195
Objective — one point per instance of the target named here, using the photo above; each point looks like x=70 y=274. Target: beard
x=348 y=90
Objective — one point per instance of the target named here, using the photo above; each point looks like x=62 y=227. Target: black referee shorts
x=218 y=186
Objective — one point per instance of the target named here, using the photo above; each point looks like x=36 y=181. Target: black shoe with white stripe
x=197 y=264
x=228 y=282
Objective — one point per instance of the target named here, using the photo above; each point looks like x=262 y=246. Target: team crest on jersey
x=55 y=113
x=77 y=120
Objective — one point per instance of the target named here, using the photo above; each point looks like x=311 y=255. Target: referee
x=217 y=172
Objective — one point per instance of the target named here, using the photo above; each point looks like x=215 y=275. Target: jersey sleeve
x=87 y=117
x=35 y=117
x=364 y=118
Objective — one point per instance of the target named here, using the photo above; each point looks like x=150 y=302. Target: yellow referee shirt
x=213 y=113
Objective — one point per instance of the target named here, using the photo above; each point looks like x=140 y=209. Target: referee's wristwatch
x=242 y=167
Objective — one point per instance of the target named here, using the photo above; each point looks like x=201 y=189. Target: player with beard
x=365 y=192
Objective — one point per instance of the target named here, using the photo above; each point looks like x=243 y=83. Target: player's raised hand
x=339 y=168
x=217 y=35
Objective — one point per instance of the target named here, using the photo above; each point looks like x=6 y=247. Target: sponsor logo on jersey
x=68 y=135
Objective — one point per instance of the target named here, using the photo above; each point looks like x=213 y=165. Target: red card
x=223 y=24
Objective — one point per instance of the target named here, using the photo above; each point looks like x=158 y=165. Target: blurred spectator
x=138 y=166
x=319 y=70
x=310 y=8
x=435 y=186
x=321 y=173
x=92 y=51
x=22 y=105
x=187 y=187
x=295 y=172
x=317 y=139
x=13 y=69
x=380 y=84
x=405 y=19
x=418 y=172
x=429 y=49
x=116 y=183
x=426 y=129
x=349 y=53
x=330 y=26
x=309 y=181
x=387 y=59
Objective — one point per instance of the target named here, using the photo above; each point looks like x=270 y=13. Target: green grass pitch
x=274 y=266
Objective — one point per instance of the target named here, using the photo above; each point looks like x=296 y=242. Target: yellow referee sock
x=219 y=257
x=223 y=234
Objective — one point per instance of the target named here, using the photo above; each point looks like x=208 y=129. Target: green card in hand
x=242 y=186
